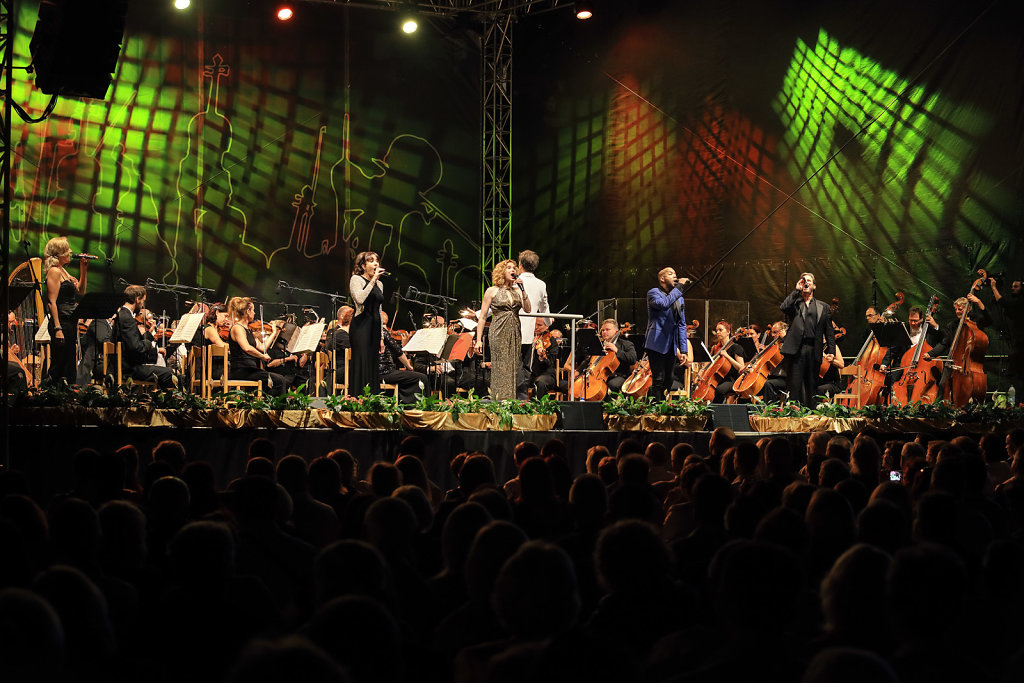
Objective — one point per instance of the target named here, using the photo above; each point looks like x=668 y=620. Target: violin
x=967 y=381
x=263 y=330
x=224 y=329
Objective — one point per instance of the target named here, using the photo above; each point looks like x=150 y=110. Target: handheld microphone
x=87 y=257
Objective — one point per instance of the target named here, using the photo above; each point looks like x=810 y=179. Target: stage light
x=584 y=10
x=182 y=4
x=409 y=25
x=285 y=13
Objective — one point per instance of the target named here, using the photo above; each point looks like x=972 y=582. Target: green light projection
x=911 y=166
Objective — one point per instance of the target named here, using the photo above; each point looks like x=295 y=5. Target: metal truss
x=485 y=8
x=496 y=129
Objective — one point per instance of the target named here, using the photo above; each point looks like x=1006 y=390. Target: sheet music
x=306 y=339
x=430 y=340
x=185 y=332
x=43 y=333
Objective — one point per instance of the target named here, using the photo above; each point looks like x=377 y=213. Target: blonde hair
x=237 y=306
x=498 y=274
x=53 y=251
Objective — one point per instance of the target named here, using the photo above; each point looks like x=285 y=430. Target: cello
x=967 y=378
x=755 y=373
x=712 y=373
x=920 y=380
x=592 y=383
x=640 y=380
x=869 y=380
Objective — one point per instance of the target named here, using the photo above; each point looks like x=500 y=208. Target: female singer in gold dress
x=503 y=301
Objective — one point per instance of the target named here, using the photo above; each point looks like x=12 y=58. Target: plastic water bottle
x=1011 y=397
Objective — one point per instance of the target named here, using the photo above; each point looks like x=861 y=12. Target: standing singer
x=666 y=330
x=503 y=300
x=810 y=331
x=367 y=293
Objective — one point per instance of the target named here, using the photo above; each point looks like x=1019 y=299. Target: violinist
x=214 y=332
x=61 y=289
x=337 y=333
x=138 y=354
x=294 y=367
x=544 y=370
x=732 y=352
x=246 y=351
x=810 y=338
x=1012 y=305
x=390 y=354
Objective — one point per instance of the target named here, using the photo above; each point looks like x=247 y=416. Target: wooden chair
x=113 y=350
x=213 y=353
x=343 y=386
x=850 y=399
x=195 y=363
x=390 y=387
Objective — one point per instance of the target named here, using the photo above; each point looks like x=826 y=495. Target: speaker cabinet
x=735 y=417
x=581 y=415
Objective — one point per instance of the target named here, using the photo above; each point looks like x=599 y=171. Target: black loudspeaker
x=76 y=44
x=582 y=415
x=735 y=417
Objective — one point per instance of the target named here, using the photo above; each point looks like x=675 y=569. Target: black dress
x=245 y=367
x=364 y=335
x=63 y=356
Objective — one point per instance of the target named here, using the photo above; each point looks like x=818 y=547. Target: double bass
x=967 y=378
x=920 y=380
x=869 y=380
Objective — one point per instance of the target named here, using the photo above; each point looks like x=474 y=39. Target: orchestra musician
x=138 y=353
x=367 y=292
x=294 y=367
x=60 y=301
x=666 y=341
x=537 y=291
x=918 y=329
x=977 y=313
x=733 y=355
x=544 y=370
x=832 y=383
x=624 y=350
x=1012 y=305
x=810 y=338
x=390 y=355
x=776 y=385
x=17 y=380
x=246 y=353
x=214 y=332
x=337 y=338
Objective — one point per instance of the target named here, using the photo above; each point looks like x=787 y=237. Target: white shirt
x=538 y=293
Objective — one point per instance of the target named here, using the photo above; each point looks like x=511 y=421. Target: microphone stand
x=333 y=296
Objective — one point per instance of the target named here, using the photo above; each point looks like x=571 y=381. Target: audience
x=737 y=561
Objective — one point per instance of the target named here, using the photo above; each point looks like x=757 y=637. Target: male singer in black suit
x=138 y=355
x=810 y=328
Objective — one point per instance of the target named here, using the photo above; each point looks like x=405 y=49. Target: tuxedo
x=138 y=354
x=809 y=337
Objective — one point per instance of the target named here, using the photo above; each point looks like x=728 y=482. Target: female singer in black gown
x=61 y=288
x=367 y=294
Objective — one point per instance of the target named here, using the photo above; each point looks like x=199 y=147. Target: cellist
x=612 y=341
x=977 y=314
x=732 y=354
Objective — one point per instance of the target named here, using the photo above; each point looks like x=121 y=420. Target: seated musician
x=918 y=329
x=139 y=352
x=337 y=338
x=624 y=350
x=17 y=379
x=246 y=353
x=831 y=383
x=294 y=367
x=214 y=332
x=775 y=386
x=733 y=355
x=544 y=370
x=409 y=381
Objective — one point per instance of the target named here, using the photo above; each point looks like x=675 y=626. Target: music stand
x=891 y=334
x=747 y=344
x=700 y=352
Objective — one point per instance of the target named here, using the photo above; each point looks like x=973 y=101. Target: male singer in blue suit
x=666 y=330
x=810 y=329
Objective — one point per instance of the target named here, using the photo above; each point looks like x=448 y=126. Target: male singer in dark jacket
x=810 y=329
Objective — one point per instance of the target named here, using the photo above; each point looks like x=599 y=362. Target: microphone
x=281 y=284
x=122 y=281
x=87 y=257
x=411 y=292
